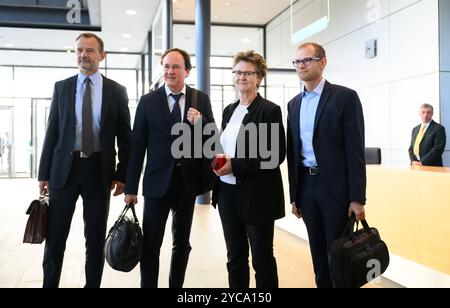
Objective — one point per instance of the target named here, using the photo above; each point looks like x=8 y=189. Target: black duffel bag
x=123 y=247
x=357 y=257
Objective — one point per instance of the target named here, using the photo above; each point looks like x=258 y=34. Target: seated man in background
x=428 y=140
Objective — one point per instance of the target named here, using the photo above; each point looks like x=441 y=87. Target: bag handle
x=131 y=206
x=350 y=227
x=43 y=198
x=125 y=210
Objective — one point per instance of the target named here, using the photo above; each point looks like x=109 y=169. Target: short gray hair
x=427 y=106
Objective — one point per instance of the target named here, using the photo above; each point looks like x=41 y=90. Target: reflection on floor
x=20 y=264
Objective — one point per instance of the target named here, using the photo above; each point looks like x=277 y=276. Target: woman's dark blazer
x=261 y=195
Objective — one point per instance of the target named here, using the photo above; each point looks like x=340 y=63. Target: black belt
x=79 y=154
x=310 y=170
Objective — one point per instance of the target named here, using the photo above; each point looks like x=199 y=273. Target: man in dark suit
x=327 y=173
x=428 y=140
x=88 y=112
x=170 y=183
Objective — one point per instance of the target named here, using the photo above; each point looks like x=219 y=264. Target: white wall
x=391 y=86
x=444 y=40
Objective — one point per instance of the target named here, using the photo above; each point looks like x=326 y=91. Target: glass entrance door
x=41 y=110
x=7 y=165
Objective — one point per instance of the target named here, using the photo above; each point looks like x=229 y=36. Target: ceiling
x=116 y=22
x=256 y=12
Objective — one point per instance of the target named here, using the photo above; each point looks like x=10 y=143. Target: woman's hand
x=226 y=169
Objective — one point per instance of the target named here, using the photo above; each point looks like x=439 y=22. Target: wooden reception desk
x=411 y=208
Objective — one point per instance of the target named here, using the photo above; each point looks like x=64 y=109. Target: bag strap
x=131 y=206
x=365 y=225
x=194 y=96
x=122 y=214
x=350 y=227
x=125 y=210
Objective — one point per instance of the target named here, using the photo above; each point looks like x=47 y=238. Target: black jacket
x=261 y=197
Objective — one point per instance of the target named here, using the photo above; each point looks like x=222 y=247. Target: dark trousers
x=238 y=235
x=85 y=181
x=156 y=212
x=325 y=219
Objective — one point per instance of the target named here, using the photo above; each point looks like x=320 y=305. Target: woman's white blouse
x=228 y=139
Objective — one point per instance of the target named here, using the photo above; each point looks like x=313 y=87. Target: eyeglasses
x=245 y=73
x=306 y=61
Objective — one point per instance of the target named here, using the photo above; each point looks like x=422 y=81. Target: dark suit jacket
x=152 y=135
x=338 y=143
x=261 y=198
x=432 y=145
x=56 y=158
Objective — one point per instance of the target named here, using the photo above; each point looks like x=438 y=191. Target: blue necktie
x=176 y=111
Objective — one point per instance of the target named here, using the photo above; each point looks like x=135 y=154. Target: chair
x=373 y=156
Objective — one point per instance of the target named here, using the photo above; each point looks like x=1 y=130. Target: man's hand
x=44 y=186
x=131 y=199
x=119 y=186
x=296 y=211
x=226 y=169
x=416 y=163
x=358 y=209
x=193 y=115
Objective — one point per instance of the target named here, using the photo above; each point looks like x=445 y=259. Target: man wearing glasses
x=325 y=141
x=170 y=184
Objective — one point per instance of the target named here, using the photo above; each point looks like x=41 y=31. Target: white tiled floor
x=20 y=264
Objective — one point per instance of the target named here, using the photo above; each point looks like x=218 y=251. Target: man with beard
x=88 y=112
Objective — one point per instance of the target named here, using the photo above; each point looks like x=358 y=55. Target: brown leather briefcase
x=36 y=229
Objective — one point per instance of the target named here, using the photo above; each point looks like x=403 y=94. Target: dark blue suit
x=166 y=186
x=338 y=143
x=91 y=178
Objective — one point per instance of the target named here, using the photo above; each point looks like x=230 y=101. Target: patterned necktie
x=419 y=140
x=176 y=111
x=87 y=129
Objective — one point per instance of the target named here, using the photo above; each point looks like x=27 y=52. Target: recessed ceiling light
x=246 y=40
x=9 y=45
x=124 y=49
x=174 y=1
x=227 y=3
x=130 y=12
x=215 y=17
x=126 y=35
